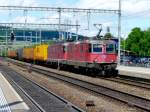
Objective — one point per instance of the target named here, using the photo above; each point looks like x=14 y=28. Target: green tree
x=138 y=41
x=133 y=40
x=108 y=36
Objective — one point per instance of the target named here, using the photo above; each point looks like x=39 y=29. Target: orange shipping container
x=28 y=53
x=12 y=54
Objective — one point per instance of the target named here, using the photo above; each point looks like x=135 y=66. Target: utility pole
x=6 y=43
x=119 y=31
x=25 y=21
x=40 y=36
x=77 y=29
x=59 y=22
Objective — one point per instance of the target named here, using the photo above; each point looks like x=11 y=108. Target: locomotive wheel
x=90 y=72
x=101 y=73
x=106 y=73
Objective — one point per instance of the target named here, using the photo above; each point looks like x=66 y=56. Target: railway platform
x=10 y=101
x=138 y=72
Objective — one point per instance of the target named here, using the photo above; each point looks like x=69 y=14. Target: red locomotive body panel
x=102 y=58
x=78 y=52
x=70 y=52
x=83 y=54
x=111 y=58
x=55 y=52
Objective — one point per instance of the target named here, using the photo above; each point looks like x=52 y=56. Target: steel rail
x=129 y=82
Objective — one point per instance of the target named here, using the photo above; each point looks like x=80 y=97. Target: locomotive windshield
x=97 y=48
x=110 y=48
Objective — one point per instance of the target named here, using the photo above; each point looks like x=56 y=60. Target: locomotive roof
x=101 y=41
x=92 y=41
x=88 y=41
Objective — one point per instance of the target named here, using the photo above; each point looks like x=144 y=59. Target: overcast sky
x=135 y=13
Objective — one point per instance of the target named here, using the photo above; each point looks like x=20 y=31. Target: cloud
x=135 y=6
x=21 y=19
x=99 y=4
x=5 y=2
x=28 y=3
x=17 y=16
x=19 y=2
x=128 y=6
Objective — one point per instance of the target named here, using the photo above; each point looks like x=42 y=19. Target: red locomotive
x=95 y=56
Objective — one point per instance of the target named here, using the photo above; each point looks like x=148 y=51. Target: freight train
x=98 y=57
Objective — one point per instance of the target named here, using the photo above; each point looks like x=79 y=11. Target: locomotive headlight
x=96 y=60
x=112 y=61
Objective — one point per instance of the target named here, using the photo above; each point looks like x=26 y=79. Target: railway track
x=42 y=98
x=128 y=98
x=130 y=82
x=34 y=107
